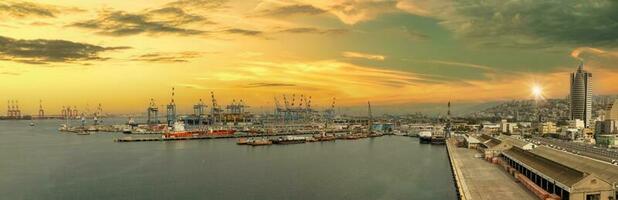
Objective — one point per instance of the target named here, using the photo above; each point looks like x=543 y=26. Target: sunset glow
x=405 y=52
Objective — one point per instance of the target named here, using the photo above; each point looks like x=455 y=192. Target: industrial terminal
x=490 y=157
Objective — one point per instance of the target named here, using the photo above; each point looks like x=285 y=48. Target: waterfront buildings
x=581 y=95
x=550 y=173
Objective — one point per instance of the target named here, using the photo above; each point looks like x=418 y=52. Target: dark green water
x=40 y=163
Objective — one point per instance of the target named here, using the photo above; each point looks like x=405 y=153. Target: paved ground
x=484 y=180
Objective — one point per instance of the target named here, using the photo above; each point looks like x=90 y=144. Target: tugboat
x=244 y=141
x=425 y=137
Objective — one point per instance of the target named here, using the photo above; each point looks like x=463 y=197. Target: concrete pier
x=479 y=179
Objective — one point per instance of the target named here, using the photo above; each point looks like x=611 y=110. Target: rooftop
x=605 y=171
x=561 y=173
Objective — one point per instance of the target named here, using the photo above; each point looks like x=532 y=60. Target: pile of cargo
x=538 y=191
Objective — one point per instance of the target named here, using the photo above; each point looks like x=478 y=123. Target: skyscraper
x=581 y=95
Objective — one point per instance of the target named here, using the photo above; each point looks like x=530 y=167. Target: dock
x=476 y=178
x=202 y=137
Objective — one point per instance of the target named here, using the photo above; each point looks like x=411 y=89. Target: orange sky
x=356 y=51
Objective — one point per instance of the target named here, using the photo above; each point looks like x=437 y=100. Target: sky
x=391 y=52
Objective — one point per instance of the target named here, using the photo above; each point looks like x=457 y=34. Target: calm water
x=40 y=163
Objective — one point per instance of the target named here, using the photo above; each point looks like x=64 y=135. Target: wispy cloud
x=168 y=20
x=190 y=86
x=24 y=9
x=352 y=54
x=245 y=32
x=352 y=11
x=167 y=57
x=580 y=51
x=312 y=30
x=10 y=73
x=43 y=51
x=197 y=4
x=460 y=64
x=263 y=84
x=287 y=10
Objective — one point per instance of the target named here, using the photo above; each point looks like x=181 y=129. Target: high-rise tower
x=581 y=95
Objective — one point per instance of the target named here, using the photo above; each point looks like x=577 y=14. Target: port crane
x=153 y=112
x=171 y=111
x=41 y=111
x=330 y=112
x=215 y=110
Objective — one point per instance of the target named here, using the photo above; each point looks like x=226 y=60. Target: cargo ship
x=425 y=137
x=289 y=140
x=179 y=134
x=222 y=132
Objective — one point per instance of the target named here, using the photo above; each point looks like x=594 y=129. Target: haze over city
x=404 y=52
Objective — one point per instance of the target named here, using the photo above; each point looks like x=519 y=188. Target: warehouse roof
x=566 y=175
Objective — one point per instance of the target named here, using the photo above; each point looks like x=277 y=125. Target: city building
x=606 y=131
x=547 y=128
x=612 y=111
x=577 y=123
x=581 y=95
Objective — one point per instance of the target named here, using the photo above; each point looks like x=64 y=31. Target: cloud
x=425 y=8
x=262 y=84
x=287 y=10
x=10 y=73
x=249 y=54
x=351 y=54
x=312 y=30
x=198 y=4
x=347 y=11
x=40 y=24
x=579 y=52
x=24 y=9
x=167 y=20
x=190 y=86
x=467 y=65
x=525 y=23
x=41 y=51
x=355 y=11
x=245 y=32
x=163 y=57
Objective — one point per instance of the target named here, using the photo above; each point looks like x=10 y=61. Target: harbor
x=483 y=162
x=389 y=167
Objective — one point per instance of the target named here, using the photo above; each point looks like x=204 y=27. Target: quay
x=202 y=137
x=476 y=178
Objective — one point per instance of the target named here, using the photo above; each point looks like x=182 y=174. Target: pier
x=476 y=178
x=203 y=137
